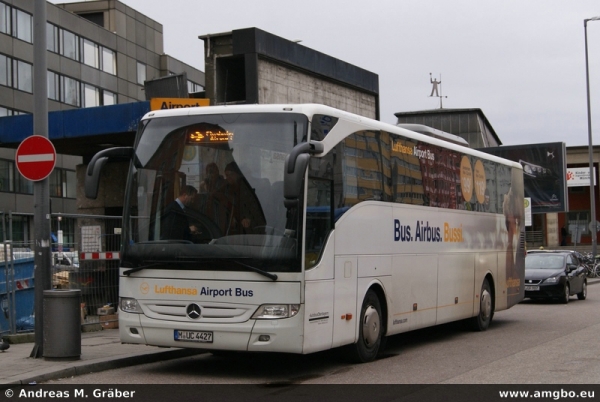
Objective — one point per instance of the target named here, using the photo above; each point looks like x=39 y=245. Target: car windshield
x=207 y=193
x=544 y=261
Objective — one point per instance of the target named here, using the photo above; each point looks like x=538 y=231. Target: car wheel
x=482 y=321
x=583 y=294
x=566 y=295
x=369 y=331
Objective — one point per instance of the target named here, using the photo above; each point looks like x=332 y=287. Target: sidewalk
x=101 y=350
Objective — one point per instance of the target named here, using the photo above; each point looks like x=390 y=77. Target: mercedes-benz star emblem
x=193 y=311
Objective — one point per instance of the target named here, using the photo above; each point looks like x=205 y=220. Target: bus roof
x=352 y=121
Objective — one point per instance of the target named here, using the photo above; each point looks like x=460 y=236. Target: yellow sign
x=177 y=103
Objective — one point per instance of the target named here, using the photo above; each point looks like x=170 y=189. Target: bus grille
x=210 y=312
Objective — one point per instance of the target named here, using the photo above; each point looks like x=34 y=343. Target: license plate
x=532 y=288
x=193 y=336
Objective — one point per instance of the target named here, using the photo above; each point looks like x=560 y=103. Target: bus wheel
x=369 y=331
x=482 y=321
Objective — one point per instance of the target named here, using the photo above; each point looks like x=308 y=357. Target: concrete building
x=253 y=66
x=99 y=53
x=469 y=124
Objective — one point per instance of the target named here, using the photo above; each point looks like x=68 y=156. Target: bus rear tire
x=370 y=336
x=482 y=320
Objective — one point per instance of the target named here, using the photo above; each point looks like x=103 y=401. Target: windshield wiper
x=257 y=270
x=250 y=267
x=132 y=270
x=173 y=241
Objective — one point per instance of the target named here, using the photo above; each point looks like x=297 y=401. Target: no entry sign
x=35 y=158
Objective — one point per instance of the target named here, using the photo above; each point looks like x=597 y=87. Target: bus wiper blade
x=257 y=270
x=132 y=270
x=175 y=241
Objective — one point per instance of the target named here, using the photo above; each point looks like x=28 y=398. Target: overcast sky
x=522 y=62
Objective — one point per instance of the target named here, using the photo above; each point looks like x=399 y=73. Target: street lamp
x=593 y=227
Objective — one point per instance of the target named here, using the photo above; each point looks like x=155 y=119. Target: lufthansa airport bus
x=299 y=228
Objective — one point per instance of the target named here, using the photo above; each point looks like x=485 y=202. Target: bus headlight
x=129 y=305
x=276 y=311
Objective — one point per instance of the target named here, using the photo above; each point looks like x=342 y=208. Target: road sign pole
x=41 y=193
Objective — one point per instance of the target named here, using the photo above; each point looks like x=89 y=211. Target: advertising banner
x=579 y=177
x=544 y=173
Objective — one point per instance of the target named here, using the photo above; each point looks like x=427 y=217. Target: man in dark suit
x=175 y=224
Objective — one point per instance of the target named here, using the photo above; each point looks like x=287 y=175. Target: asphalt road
x=532 y=343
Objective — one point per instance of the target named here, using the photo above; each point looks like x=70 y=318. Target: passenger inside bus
x=239 y=211
x=213 y=181
x=175 y=223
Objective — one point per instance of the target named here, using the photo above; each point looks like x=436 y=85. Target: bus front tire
x=370 y=336
x=482 y=320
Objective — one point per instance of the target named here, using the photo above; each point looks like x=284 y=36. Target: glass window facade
x=24 y=76
x=53 y=86
x=141 y=73
x=109 y=98
x=70 y=91
x=91 y=53
x=69 y=184
x=23 y=185
x=9 y=112
x=193 y=87
x=109 y=61
x=6 y=175
x=52 y=43
x=91 y=96
x=69 y=45
x=5 y=71
x=5 y=19
x=22 y=25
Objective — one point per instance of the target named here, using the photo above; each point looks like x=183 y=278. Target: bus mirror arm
x=300 y=149
x=292 y=182
x=295 y=168
x=92 y=175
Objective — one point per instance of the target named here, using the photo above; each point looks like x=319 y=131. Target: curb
x=108 y=364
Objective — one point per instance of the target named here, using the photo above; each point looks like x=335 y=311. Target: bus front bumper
x=278 y=335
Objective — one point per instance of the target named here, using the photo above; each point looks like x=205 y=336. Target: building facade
x=250 y=66
x=99 y=53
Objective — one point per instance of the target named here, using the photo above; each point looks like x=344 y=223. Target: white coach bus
x=300 y=228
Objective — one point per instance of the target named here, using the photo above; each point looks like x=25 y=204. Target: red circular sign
x=35 y=158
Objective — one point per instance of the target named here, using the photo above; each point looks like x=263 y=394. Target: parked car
x=555 y=275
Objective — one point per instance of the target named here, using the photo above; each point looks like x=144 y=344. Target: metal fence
x=90 y=264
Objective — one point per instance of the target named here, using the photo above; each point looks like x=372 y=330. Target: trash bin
x=62 y=324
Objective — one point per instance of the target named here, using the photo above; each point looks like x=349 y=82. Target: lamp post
x=593 y=227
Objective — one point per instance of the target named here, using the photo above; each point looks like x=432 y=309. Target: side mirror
x=295 y=168
x=92 y=175
x=292 y=182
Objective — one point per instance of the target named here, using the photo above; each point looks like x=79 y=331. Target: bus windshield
x=207 y=194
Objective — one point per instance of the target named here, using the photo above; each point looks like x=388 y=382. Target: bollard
x=62 y=324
